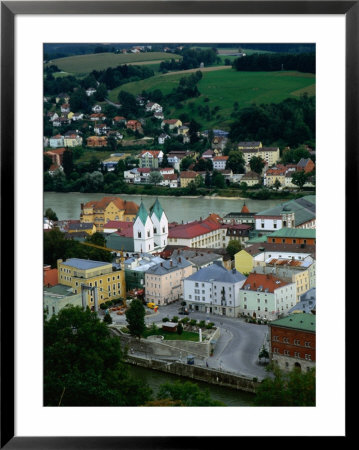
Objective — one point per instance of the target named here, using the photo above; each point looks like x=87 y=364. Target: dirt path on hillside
x=204 y=69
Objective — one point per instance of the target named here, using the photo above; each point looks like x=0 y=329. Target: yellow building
x=243 y=262
x=274 y=174
x=187 y=177
x=70 y=115
x=72 y=139
x=108 y=209
x=110 y=283
x=270 y=155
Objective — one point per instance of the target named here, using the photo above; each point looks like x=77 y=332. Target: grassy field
x=226 y=86
x=100 y=61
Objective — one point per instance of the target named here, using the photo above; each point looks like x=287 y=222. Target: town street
x=237 y=348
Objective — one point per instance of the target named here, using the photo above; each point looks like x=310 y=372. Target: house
x=155 y=107
x=118 y=120
x=96 y=109
x=151 y=158
x=65 y=108
x=199 y=259
x=134 y=125
x=187 y=177
x=56 y=155
x=170 y=180
x=112 y=226
x=52 y=116
x=109 y=281
x=297 y=213
x=310 y=183
x=219 y=162
x=293 y=342
x=208 y=154
x=205 y=233
x=108 y=209
x=219 y=143
x=306 y=304
x=78 y=116
x=56 y=141
x=270 y=155
x=258 y=254
x=172 y=123
x=183 y=130
x=249 y=145
x=62 y=96
x=275 y=175
x=306 y=165
x=50 y=276
x=266 y=296
x=142 y=175
x=97 y=116
x=164 y=281
x=136 y=267
x=293 y=236
x=101 y=129
x=96 y=141
x=158 y=115
x=235 y=232
x=57 y=297
x=90 y=91
x=162 y=137
x=72 y=139
x=88 y=228
x=251 y=178
x=214 y=290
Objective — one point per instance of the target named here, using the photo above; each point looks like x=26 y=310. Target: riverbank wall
x=193 y=372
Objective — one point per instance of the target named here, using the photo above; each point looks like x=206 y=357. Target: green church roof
x=157 y=209
x=294 y=233
x=142 y=213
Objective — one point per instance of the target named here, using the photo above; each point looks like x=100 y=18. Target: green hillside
x=226 y=86
x=101 y=61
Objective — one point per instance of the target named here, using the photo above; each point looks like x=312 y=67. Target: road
x=236 y=350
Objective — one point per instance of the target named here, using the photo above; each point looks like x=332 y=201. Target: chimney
x=171 y=263
x=179 y=259
x=161 y=264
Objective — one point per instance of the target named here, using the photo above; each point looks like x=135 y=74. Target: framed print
x=148 y=114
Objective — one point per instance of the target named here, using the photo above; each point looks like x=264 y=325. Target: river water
x=230 y=397
x=68 y=205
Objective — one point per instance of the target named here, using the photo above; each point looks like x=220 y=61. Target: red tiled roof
x=170 y=121
x=188 y=174
x=192 y=229
x=220 y=158
x=113 y=224
x=154 y=153
x=56 y=151
x=170 y=176
x=125 y=229
x=270 y=282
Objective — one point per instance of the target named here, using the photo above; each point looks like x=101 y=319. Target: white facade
x=160 y=229
x=219 y=164
x=143 y=235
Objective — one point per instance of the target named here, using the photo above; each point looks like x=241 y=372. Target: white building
x=160 y=224
x=214 y=290
x=219 y=162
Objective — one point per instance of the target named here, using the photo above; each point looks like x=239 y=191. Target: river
x=68 y=205
x=230 y=397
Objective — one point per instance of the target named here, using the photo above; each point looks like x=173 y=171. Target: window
x=286 y=352
x=286 y=340
x=296 y=354
x=296 y=342
x=308 y=357
x=307 y=344
x=139 y=234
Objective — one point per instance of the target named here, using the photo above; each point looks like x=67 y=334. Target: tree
x=51 y=215
x=263 y=353
x=135 y=316
x=277 y=184
x=299 y=178
x=101 y=92
x=84 y=364
x=256 y=164
x=235 y=161
x=97 y=239
x=293 y=388
x=67 y=162
x=186 y=162
x=155 y=178
x=186 y=394
x=218 y=180
x=233 y=247
x=47 y=163
x=107 y=319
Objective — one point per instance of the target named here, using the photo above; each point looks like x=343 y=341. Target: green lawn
x=185 y=336
x=224 y=87
x=101 y=61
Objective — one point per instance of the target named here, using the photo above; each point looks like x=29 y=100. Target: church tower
x=160 y=224
x=143 y=231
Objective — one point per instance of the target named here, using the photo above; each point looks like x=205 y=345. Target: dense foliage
x=264 y=62
x=191 y=59
x=185 y=394
x=83 y=364
x=116 y=76
x=135 y=316
x=56 y=246
x=289 y=123
x=294 y=388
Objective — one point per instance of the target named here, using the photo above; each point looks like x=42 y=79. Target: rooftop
x=84 y=264
x=304 y=321
x=217 y=272
x=294 y=232
x=263 y=283
x=168 y=266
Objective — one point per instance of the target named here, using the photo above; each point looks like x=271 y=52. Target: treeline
x=116 y=76
x=302 y=62
x=191 y=59
x=281 y=48
x=289 y=123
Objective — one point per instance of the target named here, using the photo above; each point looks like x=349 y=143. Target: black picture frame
x=9 y=9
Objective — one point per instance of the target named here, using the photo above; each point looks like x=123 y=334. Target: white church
x=150 y=230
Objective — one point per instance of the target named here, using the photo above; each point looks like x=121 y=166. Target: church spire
x=142 y=213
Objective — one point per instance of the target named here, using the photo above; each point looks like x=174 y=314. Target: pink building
x=164 y=282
